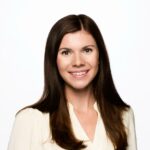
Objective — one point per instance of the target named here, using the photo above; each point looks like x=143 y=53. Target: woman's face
x=78 y=59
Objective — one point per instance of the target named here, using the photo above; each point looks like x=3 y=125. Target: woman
x=80 y=107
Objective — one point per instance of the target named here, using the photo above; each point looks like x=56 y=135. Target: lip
x=79 y=74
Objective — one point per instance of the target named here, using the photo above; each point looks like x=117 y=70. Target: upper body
x=79 y=96
x=31 y=131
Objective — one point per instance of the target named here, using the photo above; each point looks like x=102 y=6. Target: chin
x=79 y=87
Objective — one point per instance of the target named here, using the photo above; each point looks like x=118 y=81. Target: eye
x=66 y=52
x=87 y=50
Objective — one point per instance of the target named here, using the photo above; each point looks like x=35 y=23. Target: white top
x=31 y=131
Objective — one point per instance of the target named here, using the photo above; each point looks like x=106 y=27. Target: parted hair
x=53 y=99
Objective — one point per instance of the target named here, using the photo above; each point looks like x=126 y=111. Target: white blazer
x=31 y=131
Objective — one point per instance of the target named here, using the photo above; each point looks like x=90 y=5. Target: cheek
x=94 y=61
x=62 y=64
x=95 y=65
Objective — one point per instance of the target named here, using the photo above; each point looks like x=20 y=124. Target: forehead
x=77 y=39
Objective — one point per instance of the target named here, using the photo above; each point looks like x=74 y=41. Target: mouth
x=79 y=74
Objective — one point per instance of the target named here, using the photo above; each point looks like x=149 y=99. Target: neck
x=82 y=100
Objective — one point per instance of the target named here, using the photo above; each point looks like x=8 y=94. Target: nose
x=78 y=60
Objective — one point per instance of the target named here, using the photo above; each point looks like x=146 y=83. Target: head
x=67 y=26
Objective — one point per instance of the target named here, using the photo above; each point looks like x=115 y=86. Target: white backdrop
x=24 y=26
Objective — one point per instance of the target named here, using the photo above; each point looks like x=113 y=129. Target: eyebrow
x=90 y=46
x=66 y=48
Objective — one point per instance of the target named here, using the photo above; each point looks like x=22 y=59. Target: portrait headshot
x=80 y=104
x=73 y=77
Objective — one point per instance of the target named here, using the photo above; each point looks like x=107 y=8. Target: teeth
x=79 y=73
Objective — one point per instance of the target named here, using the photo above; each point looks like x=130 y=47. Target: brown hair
x=53 y=99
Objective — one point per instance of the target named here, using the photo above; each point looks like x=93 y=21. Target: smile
x=79 y=74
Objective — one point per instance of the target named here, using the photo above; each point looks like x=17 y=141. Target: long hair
x=53 y=100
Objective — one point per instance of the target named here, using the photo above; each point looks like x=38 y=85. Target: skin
x=77 y=63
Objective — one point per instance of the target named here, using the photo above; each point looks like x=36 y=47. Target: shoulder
x=29 y=115
x=30 y=120
x=128 y=114
x=30 y=126
x=128 y=118
x=129 y=122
